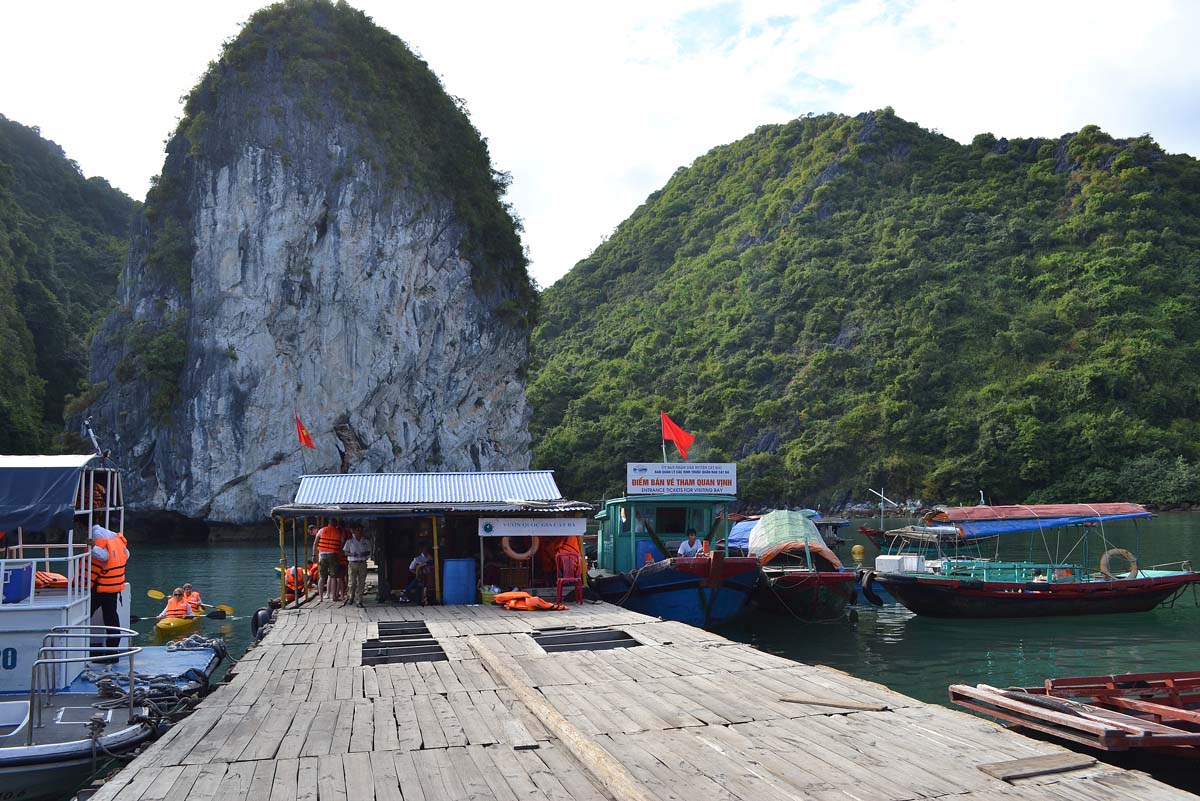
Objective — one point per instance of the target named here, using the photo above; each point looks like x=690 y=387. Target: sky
x=591 y=107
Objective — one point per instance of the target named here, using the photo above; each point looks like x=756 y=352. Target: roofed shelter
x=406 y=511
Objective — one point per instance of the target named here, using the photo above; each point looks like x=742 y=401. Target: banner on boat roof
x=988 y=521
x=694 y=478
x=532 y=526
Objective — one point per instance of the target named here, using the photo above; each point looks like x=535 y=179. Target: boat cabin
x=48 y=504
x=637 y=529
x=490 y=529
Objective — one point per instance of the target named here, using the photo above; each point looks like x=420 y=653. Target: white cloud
x=593 y=107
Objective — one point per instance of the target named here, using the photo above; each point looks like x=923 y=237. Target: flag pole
x=664 y=444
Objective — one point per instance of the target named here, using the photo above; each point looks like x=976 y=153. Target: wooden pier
x=681 y=715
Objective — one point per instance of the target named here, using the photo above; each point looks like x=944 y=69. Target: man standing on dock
x=326 y=548
x=357 y=550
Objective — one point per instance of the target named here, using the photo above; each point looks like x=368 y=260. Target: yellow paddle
x=223 y=609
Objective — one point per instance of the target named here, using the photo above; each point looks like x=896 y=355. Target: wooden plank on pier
x=1036 y=766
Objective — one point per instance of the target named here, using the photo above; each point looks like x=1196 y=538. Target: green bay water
x=241 y=575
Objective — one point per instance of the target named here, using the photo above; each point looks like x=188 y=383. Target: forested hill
x=843 y=302
x=62 y=241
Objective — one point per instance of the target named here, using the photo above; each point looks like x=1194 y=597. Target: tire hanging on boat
x=864 y=584
x=1124 y=554
x=520 y=556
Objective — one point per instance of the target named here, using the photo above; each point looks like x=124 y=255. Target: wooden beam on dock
x=601 y=764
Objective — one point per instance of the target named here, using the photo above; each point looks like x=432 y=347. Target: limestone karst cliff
x=327 y=238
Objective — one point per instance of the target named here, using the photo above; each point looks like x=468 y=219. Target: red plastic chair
x=567 y=565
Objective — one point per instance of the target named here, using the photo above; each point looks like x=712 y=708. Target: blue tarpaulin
x=38 y=492
x=972 y=529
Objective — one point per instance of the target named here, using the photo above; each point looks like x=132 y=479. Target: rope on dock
x=611 y=773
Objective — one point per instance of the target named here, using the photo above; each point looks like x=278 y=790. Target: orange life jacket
x=533 y=604
x=110 y=576
x=330 y=539
x=44 y=578
x=177 y=607
x=296 y=578
x=193 y=598
x=501 y=598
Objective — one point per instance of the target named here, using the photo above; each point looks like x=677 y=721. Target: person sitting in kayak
x=177 y=605
x=193 y=598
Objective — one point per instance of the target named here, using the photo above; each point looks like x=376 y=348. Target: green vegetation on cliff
x=842 y=302
x=62 y=242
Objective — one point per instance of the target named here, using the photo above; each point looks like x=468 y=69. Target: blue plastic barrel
x=18 y=583
x=458 y=581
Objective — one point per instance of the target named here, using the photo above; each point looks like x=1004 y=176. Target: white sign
x=688 y=478
x=532 y=526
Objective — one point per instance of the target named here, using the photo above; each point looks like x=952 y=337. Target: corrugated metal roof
x=421 y=509
x=428 y=488
x=35 y=462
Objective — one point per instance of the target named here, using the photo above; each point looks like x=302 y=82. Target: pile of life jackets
x=524 y=602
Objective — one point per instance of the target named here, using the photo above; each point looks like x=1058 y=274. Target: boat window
x=671 y=520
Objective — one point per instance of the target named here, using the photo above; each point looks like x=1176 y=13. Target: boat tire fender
x=520 y=556
x=864 y=584
x=260 y=618
x=1124 y=554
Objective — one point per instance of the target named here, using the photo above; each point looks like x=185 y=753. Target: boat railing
x=74 y=564
x=51 y=656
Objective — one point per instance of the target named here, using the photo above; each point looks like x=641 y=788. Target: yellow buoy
x=858 y=552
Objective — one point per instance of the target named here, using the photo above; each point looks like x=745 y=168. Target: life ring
x=1124 y=554
x=520 y=556
x=864 y=584
x=260 y=618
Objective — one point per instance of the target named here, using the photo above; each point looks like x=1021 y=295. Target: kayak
x=170 y=626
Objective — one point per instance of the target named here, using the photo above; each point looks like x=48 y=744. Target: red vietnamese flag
x=682 y=439
x=302 y=434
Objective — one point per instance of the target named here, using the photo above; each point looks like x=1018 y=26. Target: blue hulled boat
x=637 y=567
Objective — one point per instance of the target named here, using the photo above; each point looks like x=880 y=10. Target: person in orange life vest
x=300 y=579
x=326 y=547
x=177 y=605
x=110 y=553
x=193 y=598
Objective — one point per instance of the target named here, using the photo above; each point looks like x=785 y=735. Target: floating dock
x=474 y=703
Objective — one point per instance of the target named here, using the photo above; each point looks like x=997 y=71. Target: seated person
x=177 y=605
x=692 y=546
x=421 y=566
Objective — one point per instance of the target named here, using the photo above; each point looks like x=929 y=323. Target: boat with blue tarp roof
x=958 y=587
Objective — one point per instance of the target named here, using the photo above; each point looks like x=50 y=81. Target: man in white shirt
x=422 y=574
x=692 y=546
x=357 y=549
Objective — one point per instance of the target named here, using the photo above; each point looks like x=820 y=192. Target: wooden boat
x=982 y=588
x=801 y=575
x=636 y=568
x=174 y=626
x=1158 y=711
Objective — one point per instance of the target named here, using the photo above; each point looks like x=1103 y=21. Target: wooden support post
x=282 y=566
x=607 y=770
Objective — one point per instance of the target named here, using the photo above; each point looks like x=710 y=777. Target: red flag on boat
x=303 y=435
x=682 y=439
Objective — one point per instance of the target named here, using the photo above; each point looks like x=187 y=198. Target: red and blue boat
x=954 y=587
x=638 y=566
